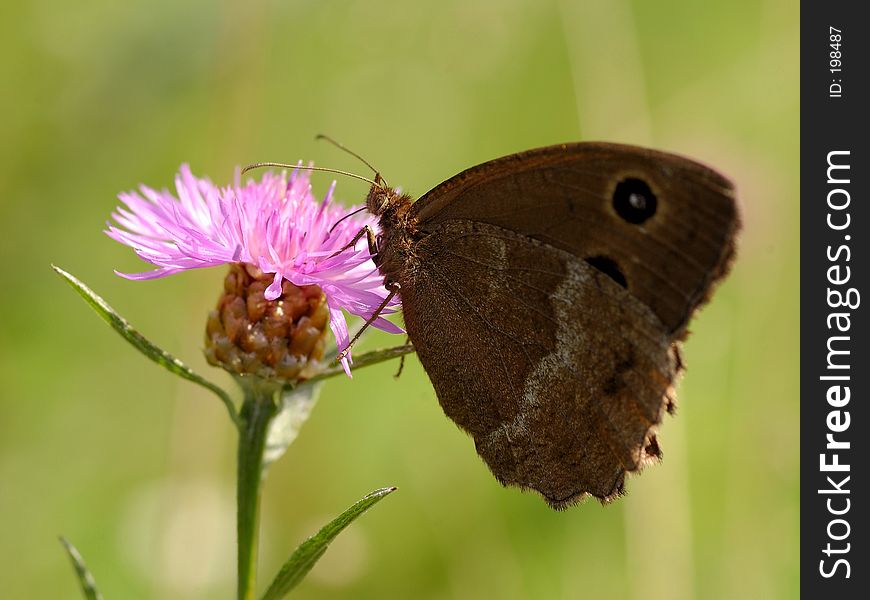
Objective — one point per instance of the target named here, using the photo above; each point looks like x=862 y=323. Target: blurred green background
x=137 y=467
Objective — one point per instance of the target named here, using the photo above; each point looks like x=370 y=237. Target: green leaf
x=310 y=551
x=89 y=586
x=363 y=360
x=294 y=407
x=142 y=344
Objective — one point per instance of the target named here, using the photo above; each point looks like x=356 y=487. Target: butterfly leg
x=402 y=359
x=394 y=289
x=370 y=237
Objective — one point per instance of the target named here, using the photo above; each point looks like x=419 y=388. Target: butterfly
x=546 y=294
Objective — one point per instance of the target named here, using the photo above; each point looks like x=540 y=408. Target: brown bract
x=281 y=340
x=546 y=294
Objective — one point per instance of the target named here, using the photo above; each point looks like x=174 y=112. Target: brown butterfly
x=546 y=294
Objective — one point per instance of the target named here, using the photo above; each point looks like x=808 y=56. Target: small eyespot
x=609 y=267
x=634 y=201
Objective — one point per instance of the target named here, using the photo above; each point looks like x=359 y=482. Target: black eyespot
x=609 y=267
x=634 y=201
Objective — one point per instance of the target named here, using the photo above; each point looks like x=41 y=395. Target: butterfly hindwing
x=558 y=373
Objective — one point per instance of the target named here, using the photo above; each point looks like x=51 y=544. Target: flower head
x=274 y=225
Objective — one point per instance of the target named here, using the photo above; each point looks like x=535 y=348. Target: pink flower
x=275 y=224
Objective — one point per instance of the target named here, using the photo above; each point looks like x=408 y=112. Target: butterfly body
x=546 y=295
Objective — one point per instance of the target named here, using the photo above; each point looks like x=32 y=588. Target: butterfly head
x=385 y=202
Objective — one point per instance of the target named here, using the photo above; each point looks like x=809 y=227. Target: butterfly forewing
x=570 y=197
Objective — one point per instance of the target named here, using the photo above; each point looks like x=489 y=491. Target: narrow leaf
x=364 y=360
x=86 y=580
x=294 y=407
x=142 y=344
x=310 y=551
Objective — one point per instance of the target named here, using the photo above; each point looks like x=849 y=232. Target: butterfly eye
x=634 y=201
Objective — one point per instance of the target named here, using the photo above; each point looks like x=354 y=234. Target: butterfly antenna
x=340 y=146
x=278 y=165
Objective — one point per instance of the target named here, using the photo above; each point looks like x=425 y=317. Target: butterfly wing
x=660 y=224
x=558 y=373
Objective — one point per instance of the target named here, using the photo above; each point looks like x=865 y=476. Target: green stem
x=257 y=411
